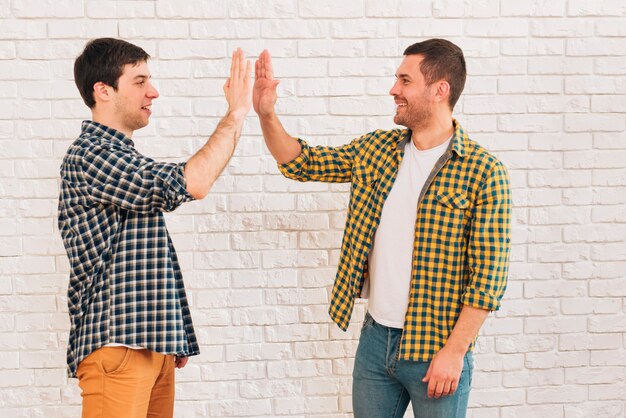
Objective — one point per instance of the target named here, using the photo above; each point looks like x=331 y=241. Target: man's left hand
x=180 y=362
x=444 y=373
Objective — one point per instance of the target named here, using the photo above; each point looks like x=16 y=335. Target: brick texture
x=545 y=93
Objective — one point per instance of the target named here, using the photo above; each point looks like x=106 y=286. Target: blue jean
x=383 y=386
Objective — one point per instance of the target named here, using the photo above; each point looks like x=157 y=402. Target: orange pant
x=120 y=382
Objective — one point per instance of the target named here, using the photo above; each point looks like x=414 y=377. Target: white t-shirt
x=134 y=347
x=392 y=250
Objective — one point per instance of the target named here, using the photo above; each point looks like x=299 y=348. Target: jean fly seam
x=387 y=369
x=395 y=363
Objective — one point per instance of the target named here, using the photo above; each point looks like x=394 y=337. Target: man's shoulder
x=379 y=137
x=93 y=142
x=383 y=134
x=479 y=155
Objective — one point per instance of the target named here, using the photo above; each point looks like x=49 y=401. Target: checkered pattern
x=462 y=232
x=125 y=282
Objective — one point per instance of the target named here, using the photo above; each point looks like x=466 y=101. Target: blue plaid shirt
x=125 y=281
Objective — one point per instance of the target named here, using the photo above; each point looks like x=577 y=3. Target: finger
x=432 y=385
x=242 y=65
x=246 y=79
x=263 y=63
x=181 y=362
x=446 y=388
x=257 y=64
x=427 y=377
x=270 y=69
x=236 y=65
x=439 y=389
x=453 y=387
x=232 y=66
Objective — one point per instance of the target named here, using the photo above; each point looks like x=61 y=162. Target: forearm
x=282 y=146
x=466 y=328
x=205 y=166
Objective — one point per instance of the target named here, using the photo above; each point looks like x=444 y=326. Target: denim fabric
x=383 y=386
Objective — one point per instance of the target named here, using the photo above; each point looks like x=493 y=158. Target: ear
x=102 y=92
x=442 y=91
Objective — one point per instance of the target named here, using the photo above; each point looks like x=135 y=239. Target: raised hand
x=237 y=88
x=264 y=91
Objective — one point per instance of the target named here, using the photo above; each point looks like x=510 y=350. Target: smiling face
x=132 y=101
x=414 y=99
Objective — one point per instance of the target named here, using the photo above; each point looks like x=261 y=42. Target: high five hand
x=264 y=91
x=237 y=88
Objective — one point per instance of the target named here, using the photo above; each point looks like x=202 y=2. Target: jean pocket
x=368 y=321
x=113 y=360
x=469 y=367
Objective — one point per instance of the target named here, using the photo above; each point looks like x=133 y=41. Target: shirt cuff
x=293 y=168
x=479 y=299
x=174 y=185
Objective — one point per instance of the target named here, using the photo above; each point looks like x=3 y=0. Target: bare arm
x=445 y=368
x=282 y=146
x=205 y=166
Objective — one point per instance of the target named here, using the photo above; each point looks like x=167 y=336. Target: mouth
x=147 y=108
x=400 y=105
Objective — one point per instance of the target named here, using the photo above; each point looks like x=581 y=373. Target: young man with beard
x=427 y=236
x=130 y=324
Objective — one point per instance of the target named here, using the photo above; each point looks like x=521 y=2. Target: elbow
x=198 y=189
x=198 y=193
x=199 y=196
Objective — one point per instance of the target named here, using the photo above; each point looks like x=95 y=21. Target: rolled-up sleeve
x=115 y=176
x=490 y=242
x=325 y=164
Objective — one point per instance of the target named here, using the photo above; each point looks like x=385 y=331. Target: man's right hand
x=264 y=91
x=237 y=87
x=204 y=167
x=283 y=147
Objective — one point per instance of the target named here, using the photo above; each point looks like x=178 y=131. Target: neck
x=107 y=119
x=435 y=133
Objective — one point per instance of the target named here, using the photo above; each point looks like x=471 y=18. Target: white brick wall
x=546 y=92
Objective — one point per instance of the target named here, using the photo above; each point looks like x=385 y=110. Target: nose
x=153 y=93
x=394 y=89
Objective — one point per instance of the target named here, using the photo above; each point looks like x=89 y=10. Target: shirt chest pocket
x=452 y=200
x=364 y=193
x=450 y=212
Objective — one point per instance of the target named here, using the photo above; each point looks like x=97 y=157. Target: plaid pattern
x=125 y=282
x=462 y=232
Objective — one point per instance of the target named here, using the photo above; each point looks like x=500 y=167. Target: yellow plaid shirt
x=462 y=231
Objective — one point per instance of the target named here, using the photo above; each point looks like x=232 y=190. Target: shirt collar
x=103 y=131
x=458 y=143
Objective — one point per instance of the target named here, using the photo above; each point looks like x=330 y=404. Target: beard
x=413 y=117
x=132 y=120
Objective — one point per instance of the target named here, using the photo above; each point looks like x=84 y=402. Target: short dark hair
x=443 y=60
x=103 y=60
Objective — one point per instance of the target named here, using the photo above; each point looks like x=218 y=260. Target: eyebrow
x=403 y=75
x=142 y=76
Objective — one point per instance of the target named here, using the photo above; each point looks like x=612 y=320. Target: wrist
x=267 y=116
x=456 y=347
x=236 y=115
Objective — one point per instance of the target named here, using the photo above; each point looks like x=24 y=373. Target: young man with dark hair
x=427 y=237
x=130 y=324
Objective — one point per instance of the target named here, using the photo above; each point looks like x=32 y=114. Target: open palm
x=264 y=90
